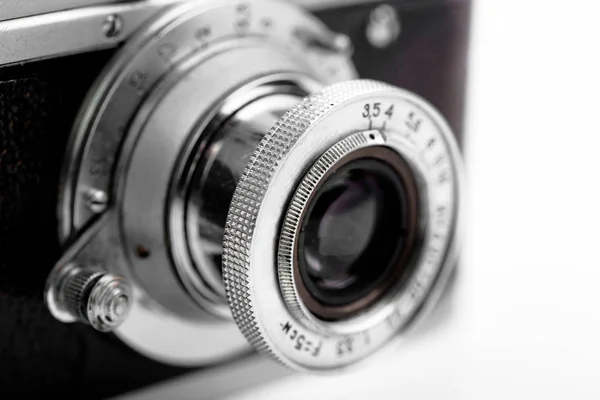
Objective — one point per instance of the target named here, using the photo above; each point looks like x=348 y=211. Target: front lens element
x=356 y=233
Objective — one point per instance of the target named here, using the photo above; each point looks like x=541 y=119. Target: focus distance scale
x=230 y=180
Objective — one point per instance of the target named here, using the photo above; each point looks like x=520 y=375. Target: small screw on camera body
x=113 y=26
x=97 y=200
x=383 y=27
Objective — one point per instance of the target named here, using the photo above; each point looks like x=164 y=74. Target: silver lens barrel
x=214 y=173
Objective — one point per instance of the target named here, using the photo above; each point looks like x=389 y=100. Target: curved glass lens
x=353 y=233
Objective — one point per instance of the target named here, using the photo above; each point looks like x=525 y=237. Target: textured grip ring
x=250 y=267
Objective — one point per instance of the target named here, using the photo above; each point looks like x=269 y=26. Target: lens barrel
x=359 y=208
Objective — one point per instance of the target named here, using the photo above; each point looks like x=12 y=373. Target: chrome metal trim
x=201 y=237
x=68 y=32
x=34 y=29
x=250 y=266
x=11 y=9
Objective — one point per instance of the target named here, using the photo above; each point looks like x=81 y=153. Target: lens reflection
x=353 y=231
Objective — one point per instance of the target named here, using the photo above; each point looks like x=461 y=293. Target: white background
x=528 y=309
x=527 y=313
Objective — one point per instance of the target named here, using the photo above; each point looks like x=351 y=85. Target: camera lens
x=337 y=238
x=284 y=196
x=356 y=234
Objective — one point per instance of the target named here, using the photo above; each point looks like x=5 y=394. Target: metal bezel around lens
x=264 y=305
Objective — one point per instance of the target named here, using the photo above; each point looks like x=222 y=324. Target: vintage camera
x=204 y=178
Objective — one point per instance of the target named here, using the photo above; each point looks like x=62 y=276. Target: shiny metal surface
x=384 y=26
x=183 y=114
x=65 y=268
x=34 y=29
x=174 y=131
x=68 y=32
x=275 y=324
x=216 y=174
x=145 y=121
x=10 y=9
x=142 y=63
x=112 y=26
x=107 y=303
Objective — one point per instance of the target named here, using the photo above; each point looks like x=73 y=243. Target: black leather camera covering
x=38 y=103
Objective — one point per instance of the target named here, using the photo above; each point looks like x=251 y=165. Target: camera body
x=417 y=45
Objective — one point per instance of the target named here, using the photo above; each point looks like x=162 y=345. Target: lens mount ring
x=260 y=285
